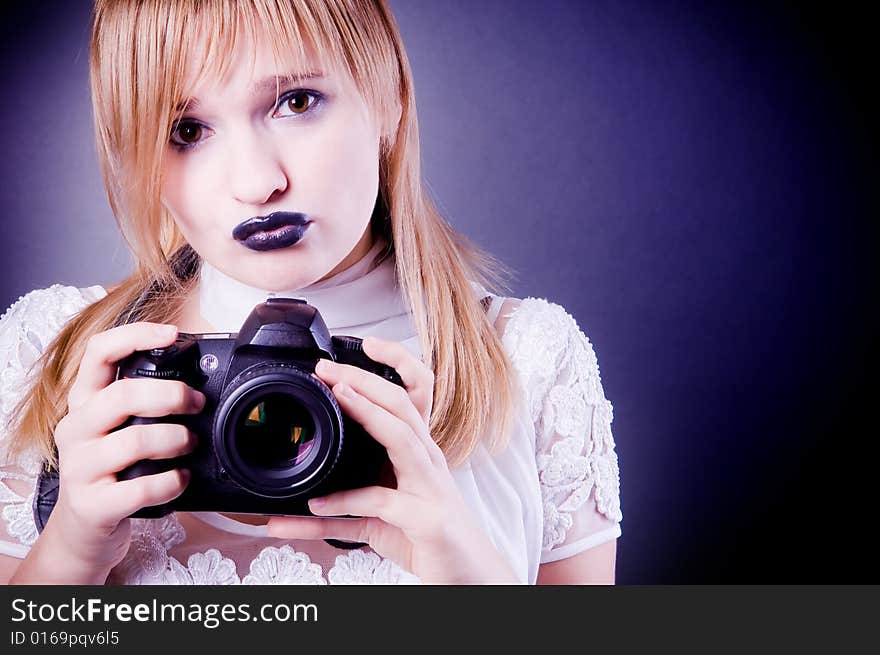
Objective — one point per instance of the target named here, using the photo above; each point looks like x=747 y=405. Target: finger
x=417 y=378
x=144 y=397
x=390 y=505
x=315 y=527
x=127 y=496
x=132 y=444
x=104 y=350
x=385 y=394
x=405 y=450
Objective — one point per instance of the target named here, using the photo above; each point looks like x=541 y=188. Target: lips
x=277 y=230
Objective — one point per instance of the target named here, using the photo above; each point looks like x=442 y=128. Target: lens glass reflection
x=275 y=432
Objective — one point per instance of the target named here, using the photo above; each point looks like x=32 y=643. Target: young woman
x=271 y=148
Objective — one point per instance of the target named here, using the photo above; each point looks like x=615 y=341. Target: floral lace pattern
x=208 y=568
x=575 y=448
x=26 y=328
x=149 y=562
x=17 y=513
x=364 y=567
x=283 y=566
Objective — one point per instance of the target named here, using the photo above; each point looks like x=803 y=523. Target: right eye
x=189 y=135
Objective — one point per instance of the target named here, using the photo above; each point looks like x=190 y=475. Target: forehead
x=250 y=61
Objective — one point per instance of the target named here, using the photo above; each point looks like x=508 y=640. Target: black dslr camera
x=271 y=435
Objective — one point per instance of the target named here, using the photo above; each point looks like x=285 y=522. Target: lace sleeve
x=575 y=455
x=26 y=328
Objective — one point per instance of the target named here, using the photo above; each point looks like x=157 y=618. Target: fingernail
x=199 y=400
x=317 y=502
x=322 y=366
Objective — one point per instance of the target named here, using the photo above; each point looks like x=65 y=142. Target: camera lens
x=275 y=431
x=278 y=430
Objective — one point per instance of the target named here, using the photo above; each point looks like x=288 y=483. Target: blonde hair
x=139 y=53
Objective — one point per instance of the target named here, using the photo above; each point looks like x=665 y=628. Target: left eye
x=299 y=101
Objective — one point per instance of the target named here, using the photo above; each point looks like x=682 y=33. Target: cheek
x=172 y=187
x=183 y=192
x=346 y=171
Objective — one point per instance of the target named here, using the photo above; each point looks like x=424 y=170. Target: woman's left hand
x=424 y=525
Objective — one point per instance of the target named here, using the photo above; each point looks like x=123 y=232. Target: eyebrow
x=262 y=86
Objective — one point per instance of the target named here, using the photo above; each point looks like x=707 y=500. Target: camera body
x=271 y=435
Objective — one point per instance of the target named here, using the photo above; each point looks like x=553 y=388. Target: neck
x=357 y=253
x=221 y=303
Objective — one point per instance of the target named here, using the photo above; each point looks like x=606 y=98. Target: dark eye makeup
x=191 y=129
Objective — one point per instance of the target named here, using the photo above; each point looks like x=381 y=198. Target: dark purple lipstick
x=277 y=230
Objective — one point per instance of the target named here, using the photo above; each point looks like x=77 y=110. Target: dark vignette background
x=696 y=185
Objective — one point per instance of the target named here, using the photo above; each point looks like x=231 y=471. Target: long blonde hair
x=139 y=53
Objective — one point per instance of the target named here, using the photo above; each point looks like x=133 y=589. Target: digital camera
x=271 y=435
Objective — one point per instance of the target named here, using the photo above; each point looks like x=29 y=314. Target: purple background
x=696 y=186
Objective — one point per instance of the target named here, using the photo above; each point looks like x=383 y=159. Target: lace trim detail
x=145 y=563
x=283 y=566
x=363 y=567
x=17 y=512
x=26 y=328
x=208 y=568
x=148 y=562
x=167 y=530
x=572 y=418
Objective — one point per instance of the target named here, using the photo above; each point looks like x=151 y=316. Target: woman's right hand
x=90 y=516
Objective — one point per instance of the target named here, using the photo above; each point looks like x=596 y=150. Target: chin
x=280 y=282
x=278 y=276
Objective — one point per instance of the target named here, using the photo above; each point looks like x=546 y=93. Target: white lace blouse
x=551 y=494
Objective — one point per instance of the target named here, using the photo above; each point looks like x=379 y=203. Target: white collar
x=362 y=300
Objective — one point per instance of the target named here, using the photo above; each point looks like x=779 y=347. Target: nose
x=256 y=173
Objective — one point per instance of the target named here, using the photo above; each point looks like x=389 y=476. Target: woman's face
x=236 y=155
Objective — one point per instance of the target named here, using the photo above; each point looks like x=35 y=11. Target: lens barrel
x=278 y=430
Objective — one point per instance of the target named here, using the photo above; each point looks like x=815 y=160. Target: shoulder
x=544 y=341
x=555 y=361
x=28 y=326
x=519 y=317
x=42 y=312
x=59 y=298
x=576 y=452
x=38 y=315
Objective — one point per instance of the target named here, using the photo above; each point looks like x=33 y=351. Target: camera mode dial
x=348 y=343
x=169 y=374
